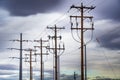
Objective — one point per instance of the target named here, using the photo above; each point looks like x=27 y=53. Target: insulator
x=49 y=36
x=71 y=24
x=72 y=6
x=25 y=54
x=47 y=27
x=25 y=40
x=35 y=40
x=91 y=19
x=76 y=18
x=46 y=51
x=92 y=24
x=35 y=54
x=15 y=40
x=53 y=37
x=76 y=24
x=59 y=45
x=70 y=19
x=48 y=48
x=63 y=46
x=35 y=47
x=60 y=37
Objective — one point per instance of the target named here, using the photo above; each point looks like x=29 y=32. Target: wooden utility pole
x=41 y=56
x=31 y=78
x=55 y=49
x=82 y=17
x=20 y=57
x=85 y=62
x=20 y=72
x=41 y=60
x=30 y=61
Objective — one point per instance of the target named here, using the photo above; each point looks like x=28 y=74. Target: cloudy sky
x=31 y=17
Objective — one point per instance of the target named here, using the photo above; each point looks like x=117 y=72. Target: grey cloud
x=28 y=7
x=4 y=40
x=116 y=60
x=7 y=67
x=111 y=39
x=6 y=79
x=105 y=61
x=109 y=10
x=6 y=73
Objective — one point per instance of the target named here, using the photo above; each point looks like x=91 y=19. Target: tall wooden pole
x=41 y=60
x=82 y=29
x=56 y=48
x=20 y=64
x=31 y=78
x=56 y=60
x=82 y=45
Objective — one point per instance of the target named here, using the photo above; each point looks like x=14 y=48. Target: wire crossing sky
x=31 y=17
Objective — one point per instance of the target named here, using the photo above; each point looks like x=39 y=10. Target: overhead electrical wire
x=110 y=65
x=106 y=58
x=58 y=21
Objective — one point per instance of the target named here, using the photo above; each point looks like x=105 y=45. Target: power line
x=56 y=48
x=20 y=64
x=41 y=56
x=21 y=54
x=106 y=58
x=30 y=61
x=82 y=17
x=58 y=20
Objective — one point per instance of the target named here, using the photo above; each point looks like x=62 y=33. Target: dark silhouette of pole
x=20 y=57
x=41 y=56
x=82 y=29
x=43 y=70
x=31 y=78
x=56 y=60
x=82 y=43
x=55 y=49
x=30 y=61
x=58 y=67
x=85 y=62
x=20 y=64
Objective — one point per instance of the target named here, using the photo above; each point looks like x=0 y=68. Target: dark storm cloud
x=28 y=7
x=110 y=10
x=111 y=39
